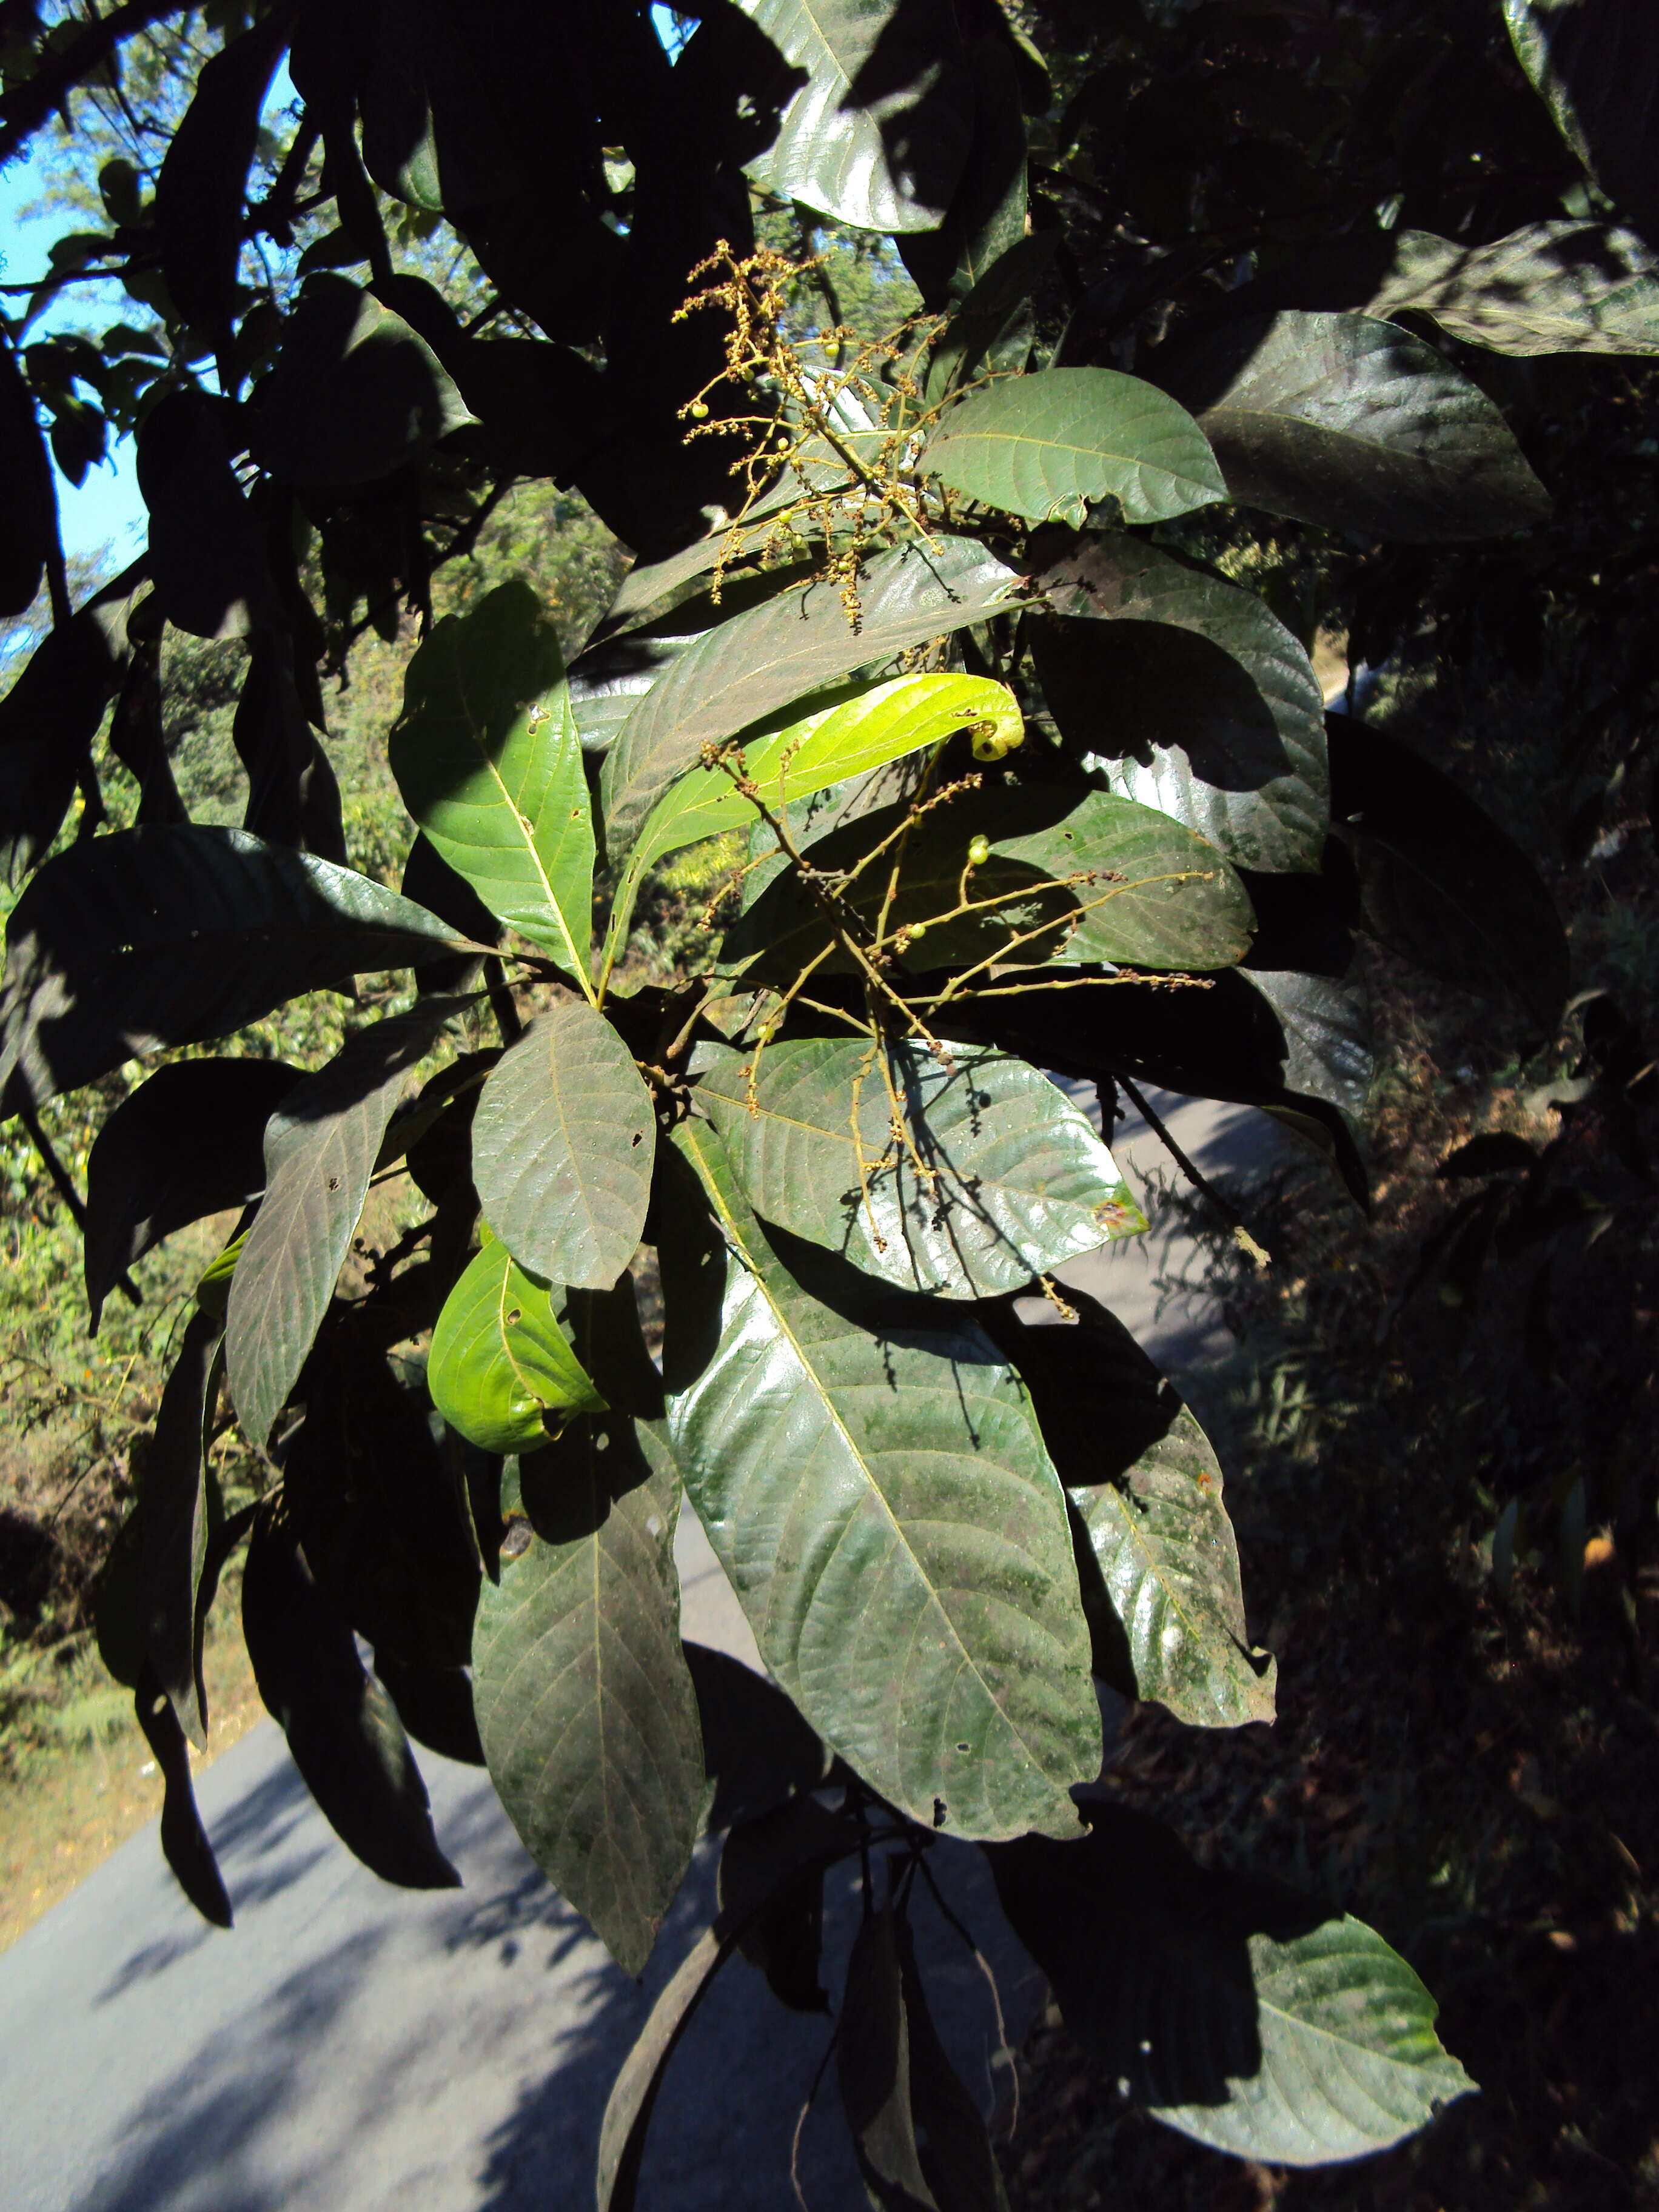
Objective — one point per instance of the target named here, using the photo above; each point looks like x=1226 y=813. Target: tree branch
x=27 y=106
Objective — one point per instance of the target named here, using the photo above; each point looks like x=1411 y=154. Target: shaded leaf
x=996 y=304
x=185 y=1843
x=1008 y=1178
x=173 y=1524
x=1146 y=1483
x=877 y=134
x=782 y=1919
x=1240 y=2012
x=1190 y=695
x=293 y=797
x=873 y=2054
x=1438 y=881
x=187 y=1143
x=987 y=217
x=757 y=1751
x=487 y=758
x=957 y=2155
x=763 y=660
x=500 y=1370
x=586 y=1709
x=1495 y=1152
x=435 y=1704
x=205 y=552
x=1595 y=64
x=173 y=935
x=1048 y=445
x=321 y=1149
x=342 y=1728
x=27 y=497
x=866 y=1494
x=562 y=1143
x=1352 y=424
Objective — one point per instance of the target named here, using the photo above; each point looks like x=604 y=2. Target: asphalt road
x=351 y=2047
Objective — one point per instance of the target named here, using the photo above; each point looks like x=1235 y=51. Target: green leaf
x=173 y=1524
x=1191 y=696
x=562 y=1145
x=354 y=391
x=994 y=306
x=1237 y=2011
x=321 y=1149
x=487 y=758
x=1168 y=1606
x=784 y=1937
x=877 y=134
x=342 y=1728
x=206 y=553
x=1439 y=882
x=1019 y=1182
x=187 y=1143
x=167 y=936
x=799 y=643
x=586 y=1708
x=1352 y=424
x=1045 y=445
x=886 y=1514
x=885 y=723
x=185 y=1843
x=200 y=228
x=499 y=1365
x=1595 y=64
x=1100 y=876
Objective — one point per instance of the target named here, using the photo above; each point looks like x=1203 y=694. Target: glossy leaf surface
x=1595 y=64
x=500 y=1370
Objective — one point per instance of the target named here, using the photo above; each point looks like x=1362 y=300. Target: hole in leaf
x=938 y=1812
x=516 y=1315
x=516 y=1537
x=334 y=1182
x=638 y=1137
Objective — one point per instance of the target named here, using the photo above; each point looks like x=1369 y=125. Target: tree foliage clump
x=941 y=626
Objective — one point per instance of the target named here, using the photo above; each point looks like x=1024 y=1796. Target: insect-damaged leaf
x=761 y=661
x=320 y=1150
x=175 y=935
x=342 y=1728
x=185 y=1843
x=563 y=1144
x=188 y=1142
x=1194 y=698
x=1236 y=2010
x=586 y=1708
x=500 y=1370
x=1165 y=1600
x=1350 y=423
x=877 y=134
x=487 y=757
x=1048 y=445
x=173 y=1524
x=1008 y=1177
x=866 y=1494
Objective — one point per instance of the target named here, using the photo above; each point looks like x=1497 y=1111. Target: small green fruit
x=979 y=852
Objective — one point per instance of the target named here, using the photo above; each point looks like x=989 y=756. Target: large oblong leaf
x=489 y=762
x=1236 y=2010
x=173 y=1524
x=1017 y=1182
x=877 y=134
x=886 y=1513
x=1146 y=1483
x=1047 y=445
x=321 y=1149
x=1354 y=424
x=801 y=642
x=500 y=1364
x=175 y=935
x=584 y=1704
x=563 y=1144
x=1192 y=696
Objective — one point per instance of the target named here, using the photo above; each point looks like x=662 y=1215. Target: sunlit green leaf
x=501 y=1365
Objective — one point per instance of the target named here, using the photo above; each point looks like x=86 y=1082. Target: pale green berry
x=979 y=852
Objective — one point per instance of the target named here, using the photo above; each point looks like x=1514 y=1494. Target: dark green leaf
x=994 y=304
x=1008 y=1178
x=435 y=1704
x=877 y=134
x=187 y=1143
x=199 y=223
x=1596 y=63
x=321 y=1149
x=1496 y=1151
x=586 y=1708
x=184 y=1844
x=987 y=217
x=1352 y=424
x=563 y=1144
x=763 y=660
x=957 y=2155
x=1148 y=1485
x=292 y=798
x=1048 y=445
x=501 y=1371
x=873 y=2054
x=487 y=758
x=354 y=394
x=27 y=497
x=115 y=1604
x=174 y=1522
x=169 y=935
x=1239 y=2012
x=1194 y=698
x=864 y=1492
x=757 y=1751
x=342 y=1728
x=782 y=1919
x=1439 y=881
